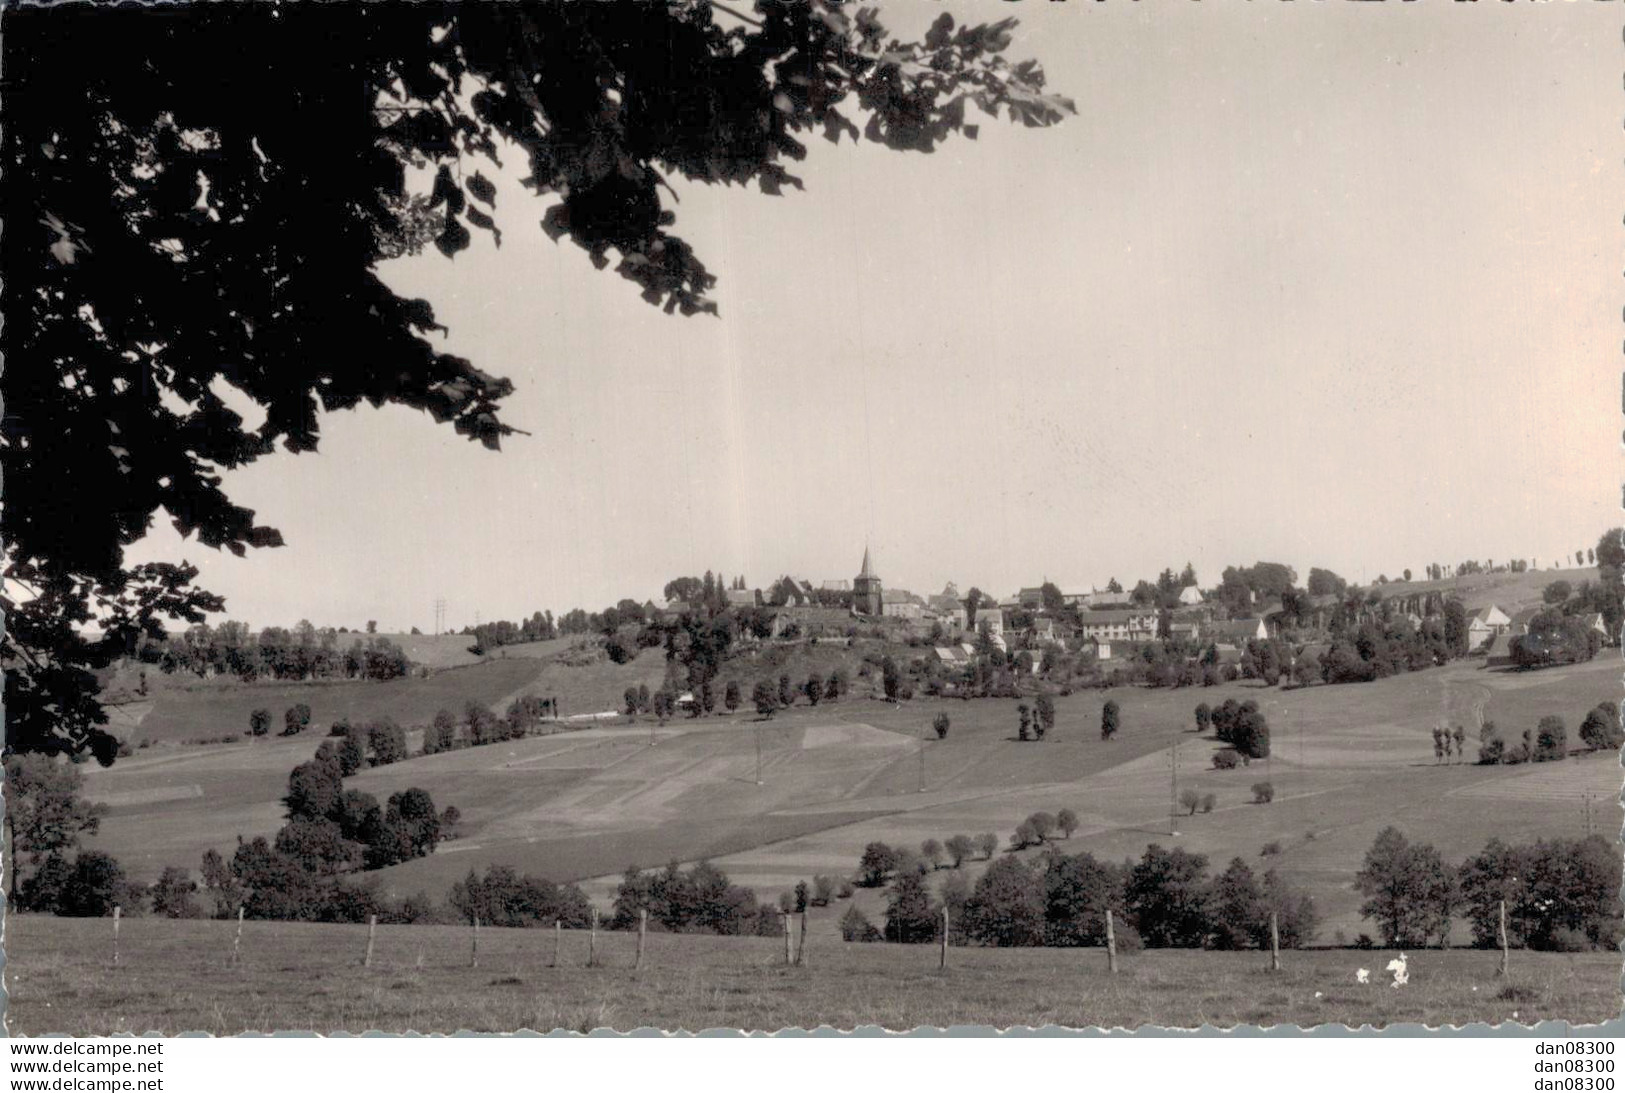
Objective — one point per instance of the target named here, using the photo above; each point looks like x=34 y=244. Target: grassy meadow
x=176 y=976
x=585 y=804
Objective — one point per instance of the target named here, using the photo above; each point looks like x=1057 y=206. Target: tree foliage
x=198 y=201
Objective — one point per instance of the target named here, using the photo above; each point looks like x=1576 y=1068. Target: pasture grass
x=175 y=976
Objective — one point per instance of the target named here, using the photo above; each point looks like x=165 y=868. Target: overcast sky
x=1331 y=285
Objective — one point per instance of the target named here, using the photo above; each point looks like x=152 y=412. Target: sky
x=1326 y=284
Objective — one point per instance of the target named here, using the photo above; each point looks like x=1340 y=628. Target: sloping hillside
x=1510 y=591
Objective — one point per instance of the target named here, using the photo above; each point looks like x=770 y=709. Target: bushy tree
x=1263 y=793
x=940 y=725
x=1601 y=731
x=912 y=916
x=313 y=790
x=45 y=813
x=1043 y=715
x=1409 y=890
x=172 y=894
x=1007 y=906
x=1078 y=890
x=1042 y=825
x=502 y=897
x=890 y=678
x=730 y=696
x=765 y=700
x=387 y=740
x=1551 y=739
x=1560 y=894
x=1166 y=893
x=988 y=844
x=352 y=752
x=318 y=845
x=1189 y=799
x=876 y=864
x=259 y=722
x=958 y=848
x=1109 y=719
x=441 y=735
x=95 y=885
x=1236 y=905
x=1204 y=717
x=1067 y=821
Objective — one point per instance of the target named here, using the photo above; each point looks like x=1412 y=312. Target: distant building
x=1132 y=624
x=866 y=593
x=1105 y=599
x=835 y=586
x=741 y=597
x=1487 y=623
x=1190 y=596
x=1235 y=632
x=1031 y=598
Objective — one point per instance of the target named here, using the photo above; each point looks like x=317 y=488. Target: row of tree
x=699 y=899
x=1548 y=741
x=303 y=653
x=1560 y=894
x=1164 y=900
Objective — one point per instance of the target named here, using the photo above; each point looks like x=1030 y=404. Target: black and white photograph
x=783 y=514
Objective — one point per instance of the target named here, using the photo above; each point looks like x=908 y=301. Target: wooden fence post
x=474 y=947
x=1275 y=944
x=237 y=942
x=801 y=942
x=372 y=928
x=643 y=928
x=1502 y=932
x=117 y=912
x=592 y=941
x=942 y=957
x=1111 y=944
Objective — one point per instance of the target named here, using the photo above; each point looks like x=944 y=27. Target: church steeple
x=866 y=594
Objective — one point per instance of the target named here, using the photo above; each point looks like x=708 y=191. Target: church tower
x=866 y=599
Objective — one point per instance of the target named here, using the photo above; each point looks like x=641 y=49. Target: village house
x=1105 y=599
x=1190 y=596
x=1236 y=632
x=1132 y=624
x=1487 y=623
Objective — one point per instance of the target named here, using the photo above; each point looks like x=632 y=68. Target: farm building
x=1132 y=624
x=1190 y=596
x=1487 y=623
x=1236 y=631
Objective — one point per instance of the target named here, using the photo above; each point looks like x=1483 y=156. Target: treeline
x=1547 y=741
x=1560 y=894
x=698 y=900
x=1164 y=900
x=303 y=653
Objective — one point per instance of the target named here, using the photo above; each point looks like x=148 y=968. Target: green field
x=585 y=804
x=175 y=977
x=179 y=710
x=1509 y=591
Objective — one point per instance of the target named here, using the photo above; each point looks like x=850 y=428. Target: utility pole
x=922 y=764
x=439 y=615
x=758 y=753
